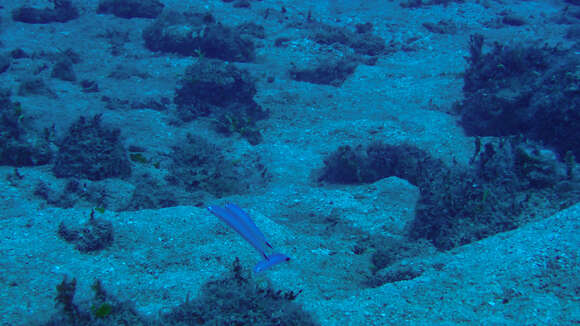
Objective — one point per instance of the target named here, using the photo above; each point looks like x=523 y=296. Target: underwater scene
x=278 y=162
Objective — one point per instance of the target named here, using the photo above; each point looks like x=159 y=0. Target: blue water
x=406 y=162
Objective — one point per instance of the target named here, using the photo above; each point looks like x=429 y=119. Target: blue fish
x=240 y=221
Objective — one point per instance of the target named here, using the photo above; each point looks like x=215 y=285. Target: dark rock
x=131 y=8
